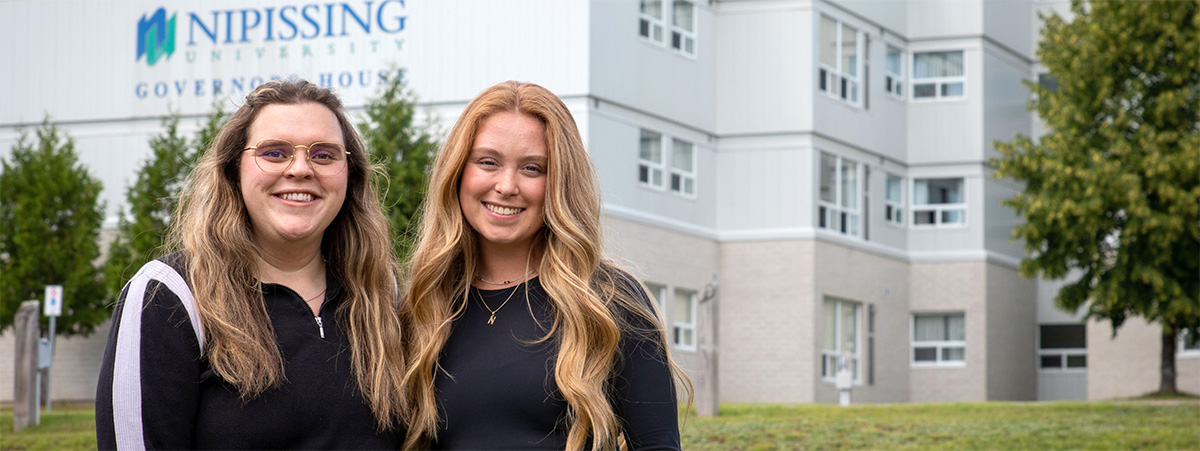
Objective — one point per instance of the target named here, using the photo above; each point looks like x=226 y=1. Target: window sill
x=826 y=380
x=939 y=226
x=937 y=99
x=1062 y=371
x=938 y=366
x=661 y=189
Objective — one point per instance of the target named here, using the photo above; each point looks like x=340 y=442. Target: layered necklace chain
x=492 y=319
x=520 y=278
x=506 y=282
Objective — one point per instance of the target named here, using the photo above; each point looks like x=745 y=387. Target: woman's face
x=503 y=184
x=296 y=205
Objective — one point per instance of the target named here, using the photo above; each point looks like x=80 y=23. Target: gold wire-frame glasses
x=274 y=156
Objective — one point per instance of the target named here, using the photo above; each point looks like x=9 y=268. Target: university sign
x=310 y=36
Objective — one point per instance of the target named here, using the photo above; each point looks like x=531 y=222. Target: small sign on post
x=54 y=297
x=52 y=308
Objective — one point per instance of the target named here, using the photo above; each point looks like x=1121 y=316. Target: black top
x=157 y=391
x=500 y=391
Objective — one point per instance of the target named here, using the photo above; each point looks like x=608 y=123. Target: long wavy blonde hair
x=212 y=227
x=592 y=309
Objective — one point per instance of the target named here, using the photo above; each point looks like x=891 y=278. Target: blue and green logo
x=155 y=36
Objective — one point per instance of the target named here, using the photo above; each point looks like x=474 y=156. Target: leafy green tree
x=51 y=213
x=404 y=148
x=152 y=198
x=1112 y=190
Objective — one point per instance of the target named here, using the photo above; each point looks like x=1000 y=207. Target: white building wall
x=1007 y=23
x=645 y=76
x=950 y=130
x=765 y=81
x=763 y=182
x=932 y=19
x=614 y=145
x=892 y=16
x=998 y=220
x=1005 y=98
x=880 y=231
x=952 y=241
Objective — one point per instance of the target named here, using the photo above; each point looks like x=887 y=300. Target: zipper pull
x=320 y=326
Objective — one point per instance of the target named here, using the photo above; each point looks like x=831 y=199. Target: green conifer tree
x=1112 y=190
x=152 y=198
x=404 y=148
x=51 y=214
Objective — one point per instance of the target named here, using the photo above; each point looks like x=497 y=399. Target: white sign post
x=53 y=309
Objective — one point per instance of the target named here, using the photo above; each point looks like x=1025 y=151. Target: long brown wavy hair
x=592 y=309
x=212 y=227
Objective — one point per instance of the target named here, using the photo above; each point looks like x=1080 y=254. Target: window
x=658 y=293
x=1188 y=345
x=1048 y=81
x=894 y=210
x=654 y=171
x=893 y=81
x=939 y=340
x=938 y=75
x=938 y=202
x=838 y=208
x=683 y=329
x=841 y=335
x=840 y=47
x=683 y=167
x=650 y=160
x=650 y=21
x=682 y=32
x=683 y=27
x=1062 y=347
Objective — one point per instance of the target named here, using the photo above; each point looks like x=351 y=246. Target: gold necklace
x=489 y=309
x=316 y=295
x=506 y=282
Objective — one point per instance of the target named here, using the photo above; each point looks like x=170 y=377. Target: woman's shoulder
x=170 y=265
x=169 y=271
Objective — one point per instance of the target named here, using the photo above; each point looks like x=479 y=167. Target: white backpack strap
x=127 y=388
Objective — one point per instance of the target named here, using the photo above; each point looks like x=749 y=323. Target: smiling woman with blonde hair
x=522 y=335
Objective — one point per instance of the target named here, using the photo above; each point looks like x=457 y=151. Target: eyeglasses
x=274 y=156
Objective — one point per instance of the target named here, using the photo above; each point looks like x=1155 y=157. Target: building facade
x=823 y=163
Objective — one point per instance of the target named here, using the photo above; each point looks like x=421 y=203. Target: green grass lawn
x=69 y=426
x=1163 y=425
x=994 y=425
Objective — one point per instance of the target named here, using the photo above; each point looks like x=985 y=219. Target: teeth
x=302 y=197
x=503 y=210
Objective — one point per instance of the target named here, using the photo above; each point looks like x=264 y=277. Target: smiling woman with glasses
x=274 y=323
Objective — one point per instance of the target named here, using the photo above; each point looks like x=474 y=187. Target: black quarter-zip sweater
x=157 y=391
